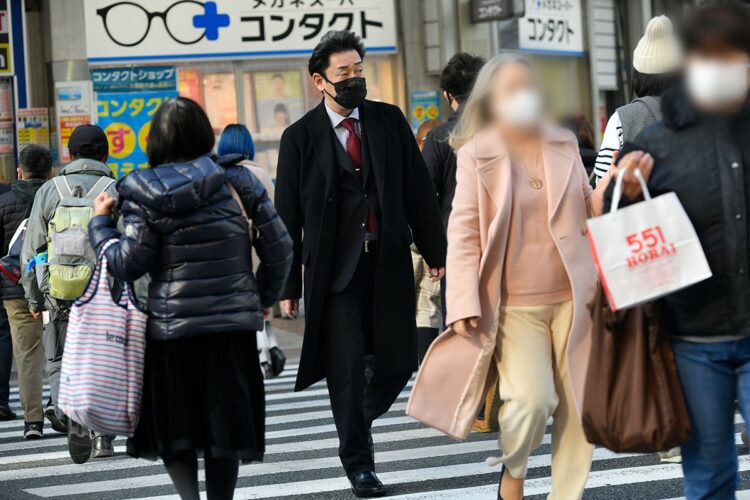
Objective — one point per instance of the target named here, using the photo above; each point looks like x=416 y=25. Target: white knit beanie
x=659 y=50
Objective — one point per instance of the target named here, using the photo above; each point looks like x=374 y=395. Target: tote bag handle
x=617 y=195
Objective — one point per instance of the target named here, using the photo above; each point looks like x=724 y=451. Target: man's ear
x=319 y=81
x=19 y=171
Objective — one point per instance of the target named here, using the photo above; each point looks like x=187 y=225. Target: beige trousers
x=28 y=350
x=535 y=385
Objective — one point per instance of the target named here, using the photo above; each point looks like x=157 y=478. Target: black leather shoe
x=367 y=485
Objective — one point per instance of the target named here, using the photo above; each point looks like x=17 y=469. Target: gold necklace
x=534 y=179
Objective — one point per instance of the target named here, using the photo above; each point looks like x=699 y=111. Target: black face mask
x=350 y=93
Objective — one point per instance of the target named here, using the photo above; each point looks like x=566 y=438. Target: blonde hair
x=476 y=112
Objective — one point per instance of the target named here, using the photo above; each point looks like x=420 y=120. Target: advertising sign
x=73 y=107
x=32 y=127
x=134 y=79
x=424 y=106
x=171 y=30
x=6 y=54
x=279 y=101
x=491 y=10
x=552 y=27
x=126 y=119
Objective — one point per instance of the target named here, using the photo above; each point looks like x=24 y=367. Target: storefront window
x=268 y=96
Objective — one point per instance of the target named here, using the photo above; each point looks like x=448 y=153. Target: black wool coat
x=306 y=199
x=705 y=161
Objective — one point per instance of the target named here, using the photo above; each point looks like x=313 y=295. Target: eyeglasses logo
x=186 y=21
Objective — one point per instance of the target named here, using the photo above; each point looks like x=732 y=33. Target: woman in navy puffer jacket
x=203 y=389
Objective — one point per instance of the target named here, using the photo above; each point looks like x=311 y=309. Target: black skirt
x=202 y=393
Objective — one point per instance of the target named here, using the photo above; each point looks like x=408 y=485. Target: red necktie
x=354 y=149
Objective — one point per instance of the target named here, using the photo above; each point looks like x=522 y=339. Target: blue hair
x=236 y=139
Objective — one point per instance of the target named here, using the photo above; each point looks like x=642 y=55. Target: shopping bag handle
x=617 y=195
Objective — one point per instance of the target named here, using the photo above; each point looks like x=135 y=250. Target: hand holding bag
x=646 y=250
x=633 y=399
x=101 y=379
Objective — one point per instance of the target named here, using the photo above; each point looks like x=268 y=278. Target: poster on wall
x=169 y=30
x=126 y=119
x=424 y=106
x=73 y=107
x=32 y=127
x=552 y=27
x=278 y=100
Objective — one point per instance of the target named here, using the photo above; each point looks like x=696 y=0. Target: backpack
x=71 y=260
x=10 y=265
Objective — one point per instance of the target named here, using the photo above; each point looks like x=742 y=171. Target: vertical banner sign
x=169 y=30
x=6 y=54
x=74 y=107
x=32 y=127
x=552 y=27
x=424 y=106
x=126 y=119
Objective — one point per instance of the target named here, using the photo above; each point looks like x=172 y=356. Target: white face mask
x=524 y=109
x=715 y=83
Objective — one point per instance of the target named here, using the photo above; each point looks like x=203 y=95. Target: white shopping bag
x=646 y=250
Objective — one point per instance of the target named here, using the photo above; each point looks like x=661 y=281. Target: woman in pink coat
x=519 y=278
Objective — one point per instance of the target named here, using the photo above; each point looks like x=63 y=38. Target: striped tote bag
x=101 y=379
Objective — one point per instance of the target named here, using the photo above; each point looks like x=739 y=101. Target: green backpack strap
x=101 y=185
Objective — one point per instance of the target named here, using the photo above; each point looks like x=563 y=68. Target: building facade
x=109 y=61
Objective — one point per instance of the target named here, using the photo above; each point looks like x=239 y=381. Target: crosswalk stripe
x=295 y=465
x=302 y=460
x=270 y=421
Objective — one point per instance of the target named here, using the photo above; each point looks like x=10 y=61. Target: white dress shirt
x=341 y=133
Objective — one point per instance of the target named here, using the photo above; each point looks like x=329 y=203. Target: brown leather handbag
x=633 y=399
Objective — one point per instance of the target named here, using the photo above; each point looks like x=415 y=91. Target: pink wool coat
x=457 y=372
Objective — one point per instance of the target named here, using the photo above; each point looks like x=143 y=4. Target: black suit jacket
x=356 y=195
x=306 y=199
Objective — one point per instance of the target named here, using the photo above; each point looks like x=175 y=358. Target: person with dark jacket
x=203 y=388
x=701 y=152
x=456 y=82
x=26 y=330
x=351 y=179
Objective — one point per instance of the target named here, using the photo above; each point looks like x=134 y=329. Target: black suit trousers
x=356 y=399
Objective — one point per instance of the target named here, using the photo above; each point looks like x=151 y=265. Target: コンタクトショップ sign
x=173 y=30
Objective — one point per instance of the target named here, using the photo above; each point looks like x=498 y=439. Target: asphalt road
x=301 y=462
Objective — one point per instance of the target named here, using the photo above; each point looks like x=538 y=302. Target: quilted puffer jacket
x=183 y=228
x=15 y=206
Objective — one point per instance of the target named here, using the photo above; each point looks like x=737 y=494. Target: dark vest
x=353 y=199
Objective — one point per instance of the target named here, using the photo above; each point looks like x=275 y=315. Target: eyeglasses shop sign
x=170 y=30
x=552 y=27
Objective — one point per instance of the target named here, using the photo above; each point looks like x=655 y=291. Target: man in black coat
x=456 y=81
x=351 y=178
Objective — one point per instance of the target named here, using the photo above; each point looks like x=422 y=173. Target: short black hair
x=35 y=161
x=333 y=42
x=718 y=25
x=180 y=131
x=459 y=75
x=644 y=84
